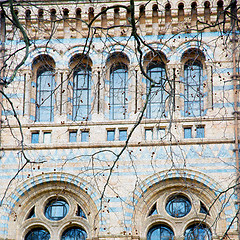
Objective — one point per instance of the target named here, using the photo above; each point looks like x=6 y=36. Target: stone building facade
x=80 y=159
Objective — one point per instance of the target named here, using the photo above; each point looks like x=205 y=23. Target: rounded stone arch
x=196 y=185
x=164 y=49
x=37 y=191
x=200 y=46
x=52 y=53
x=81 y=50
x=43 y=60
x=123 y=49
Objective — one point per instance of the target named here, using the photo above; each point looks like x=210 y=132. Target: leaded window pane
x=193 y=89
x=198 y=232
x=74 y=233
x=157 y=98
x=45 y=95
x=38 y=234
x=160 y=232
x=118 y=92
x=81 y=102
x=56 y=210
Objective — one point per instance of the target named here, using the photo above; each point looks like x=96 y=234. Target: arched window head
x=53 y=15
x=37 y=234
x=197 y=232
x=116 y=16
x=160 y=232
x=90 y=14
x=45 y=85
x=193 y=88
x=74 y=233
x=155 y=13
x=220 y=10
x=118 y=91
x=28 y=15
x=104 y=17
x=40 y=14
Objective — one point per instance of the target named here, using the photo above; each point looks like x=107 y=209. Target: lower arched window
x=38 y=234
x=160 y=232
x=198 y=232
x=74 y=233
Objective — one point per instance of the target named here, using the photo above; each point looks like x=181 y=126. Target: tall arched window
x=118 y=91
x=45 y=94
x=81 y=104
x=157 y=97
x=160 y=232
x=193 y=88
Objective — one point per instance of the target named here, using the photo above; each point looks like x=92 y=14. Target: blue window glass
x=80 y=212
x=56 y=210
x=197 y=232
x=35 y=137
x=73 y=136
x=178 y=206
x=31 y=214
x=45 y=95
x=81 y=102
x=122 y=135
x=38 y=234
x=118 y=92
x=200 y=132
x=110 y=135
x=74 y=233
x=153 y=210
x=160 y=232
x=193 y=88
x=85 y=136
x=188 y=132
x=158 y=96
x=149 y=134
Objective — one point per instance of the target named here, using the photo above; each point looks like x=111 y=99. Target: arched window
x=74 y=233
x=180 y=12
x=45 y=94
x=118 y=91
x=81 y=93
x=198 y=232
x=157 y=98
x=193 y=89
x=160 y=232
x=38 y=234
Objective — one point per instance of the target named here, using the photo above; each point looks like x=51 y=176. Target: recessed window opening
x=180 y=12
x=80 y=212
x=90 y=14
x=85 y=136
x=200 y=132
x=74 y=233
x=198 y=232
x=28 y=15
x=35 y=137
x=40 y=14
x=207 y=12
x=153 y=210
x=160 y=232
x=73 y=136
x=116 y=16
x=187 y=132
x=56 y=209
x=178 y=206
x=155 y=13
x=38 y=234
x=47 y=137
x=111 y=135
x=194 y=12
x=220 y=10
x=122 y=135
x=53 y=15
x=142 y=14
x=168 y=17
x=149 y=134
x=104 y=18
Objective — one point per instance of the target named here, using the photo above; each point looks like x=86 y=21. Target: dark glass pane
x=153 y=210
x=74 y=233
x=193 y=89
x=198 y=232
x=118 y=92
x=31 y=214
x=81 y=102
x=178 y=206
x=56 y=210
x=45 y=95
x=157 y=98
x=160 y=232
x=38 y=234
x=80 y=212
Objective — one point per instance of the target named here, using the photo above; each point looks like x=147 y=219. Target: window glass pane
x=47 y=137
x=73 y=136
x=85 y=136
x=56 y=210
x=188 y=132
x=161 y=133
x=74 y=233
x=160 y=232
x=118 y=92
x=35 y=137
x=148 y=134
x=198 y=232
x=38 y=234
x=122 y=135
x=81 y=102
x=44 y=94
x=110 y=135
x=200 y=132
x=178 y=206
